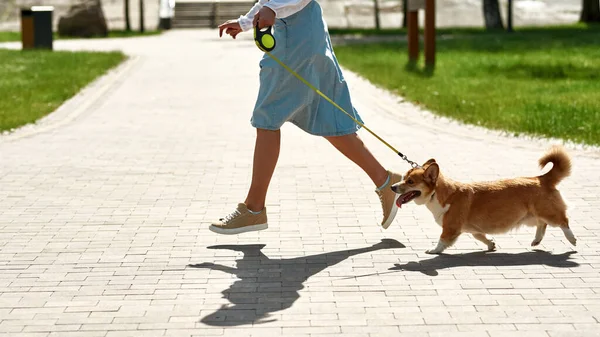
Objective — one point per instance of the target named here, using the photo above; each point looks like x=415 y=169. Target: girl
x=303 y=43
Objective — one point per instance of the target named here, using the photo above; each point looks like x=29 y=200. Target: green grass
x=16 y=36
x=35 y=83
x=10 y=36
x=399 y=31
x=537 y=81
x=123 y=34
x=462 y=30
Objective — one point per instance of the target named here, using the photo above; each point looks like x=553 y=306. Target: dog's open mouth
x=407 y=197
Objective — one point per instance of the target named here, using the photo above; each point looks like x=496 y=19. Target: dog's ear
x=432 y=172
x=429 y=162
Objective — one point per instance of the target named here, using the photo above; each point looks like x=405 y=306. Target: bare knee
x=337 y=139
x=267 y=131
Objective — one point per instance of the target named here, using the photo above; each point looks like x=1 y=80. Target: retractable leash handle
x=265 y=41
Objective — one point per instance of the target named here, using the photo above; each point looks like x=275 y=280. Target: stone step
x=196 y=23
x=208 y=14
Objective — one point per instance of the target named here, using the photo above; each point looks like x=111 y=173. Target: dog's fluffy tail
x=561 y=166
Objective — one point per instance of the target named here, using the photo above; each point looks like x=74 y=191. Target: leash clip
x=412 y=163
x=264 y=40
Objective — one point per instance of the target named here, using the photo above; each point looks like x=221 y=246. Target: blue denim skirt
x=303 y=43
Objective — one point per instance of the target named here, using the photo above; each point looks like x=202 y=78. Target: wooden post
x=430 y=34
x=413 y=36
x=413 y=30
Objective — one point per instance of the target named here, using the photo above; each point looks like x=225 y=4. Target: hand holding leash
x=264 y=38
x=264 y=18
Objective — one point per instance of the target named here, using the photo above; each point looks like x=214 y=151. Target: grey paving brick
x=105 y=204
x=78 y=334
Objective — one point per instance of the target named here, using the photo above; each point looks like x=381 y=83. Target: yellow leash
x=266 y=42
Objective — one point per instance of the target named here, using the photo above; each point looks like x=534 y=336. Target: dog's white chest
x=437 y=210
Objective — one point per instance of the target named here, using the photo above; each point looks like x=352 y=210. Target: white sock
x=387 y=181
x=255 y=213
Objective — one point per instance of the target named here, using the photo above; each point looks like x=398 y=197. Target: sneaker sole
x=240 y=230
x=390 y=218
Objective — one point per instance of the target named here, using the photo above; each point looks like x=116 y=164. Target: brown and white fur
x=490 y=207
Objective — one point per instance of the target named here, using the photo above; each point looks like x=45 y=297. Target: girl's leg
x=266 y=153
x=252 y=215
x=353 y=148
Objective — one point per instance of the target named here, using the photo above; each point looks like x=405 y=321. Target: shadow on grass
x=560 y=29
x=522 y=40
x=558 y=71
x=425 y=71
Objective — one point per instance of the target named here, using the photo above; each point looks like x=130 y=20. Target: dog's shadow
x=485 y=259
x=267 y=285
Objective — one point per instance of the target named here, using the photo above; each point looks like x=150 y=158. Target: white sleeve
x=285 y=8
x=245 y=21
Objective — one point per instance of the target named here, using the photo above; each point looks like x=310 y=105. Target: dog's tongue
x=399 y=202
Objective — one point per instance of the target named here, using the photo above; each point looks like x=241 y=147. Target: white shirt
x=282 y=9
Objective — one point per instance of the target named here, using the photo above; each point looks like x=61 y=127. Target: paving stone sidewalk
x=104 y=209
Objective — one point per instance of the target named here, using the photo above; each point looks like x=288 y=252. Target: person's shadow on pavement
x=268 y=285
x=485 y=259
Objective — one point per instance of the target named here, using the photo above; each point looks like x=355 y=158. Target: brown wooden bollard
x=413 y=36
x=413 y=30
x=430 y=34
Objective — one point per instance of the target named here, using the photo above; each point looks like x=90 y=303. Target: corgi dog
x=490 y=207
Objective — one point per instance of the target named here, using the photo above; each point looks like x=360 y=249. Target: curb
x=86 y=100
x=387 y=104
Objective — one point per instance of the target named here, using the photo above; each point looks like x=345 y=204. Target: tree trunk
x=491 y=14
x=404 y=13
x=142 y=28
x=127 y=20
x=376 y=7
x=590 y=11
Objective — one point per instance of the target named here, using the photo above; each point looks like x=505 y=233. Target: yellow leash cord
x=266 y=42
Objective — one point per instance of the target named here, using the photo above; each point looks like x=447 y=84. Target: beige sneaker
x=240 y=221
x=388 y=200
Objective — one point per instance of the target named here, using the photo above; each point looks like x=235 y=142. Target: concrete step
x=208 y=14
x=196 y=23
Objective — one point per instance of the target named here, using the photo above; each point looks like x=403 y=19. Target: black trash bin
x=36 y=27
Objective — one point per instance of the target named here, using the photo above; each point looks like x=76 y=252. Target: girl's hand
x=231 y=27
x=265 y=18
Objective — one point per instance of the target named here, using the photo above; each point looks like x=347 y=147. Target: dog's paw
x=569 y=235
x=535 y=242
x=432 y=251
x=491 y=246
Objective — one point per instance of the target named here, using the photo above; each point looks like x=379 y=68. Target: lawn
x=537 y=81
x=16 y=36
x=10 y=36
x=35 y=83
